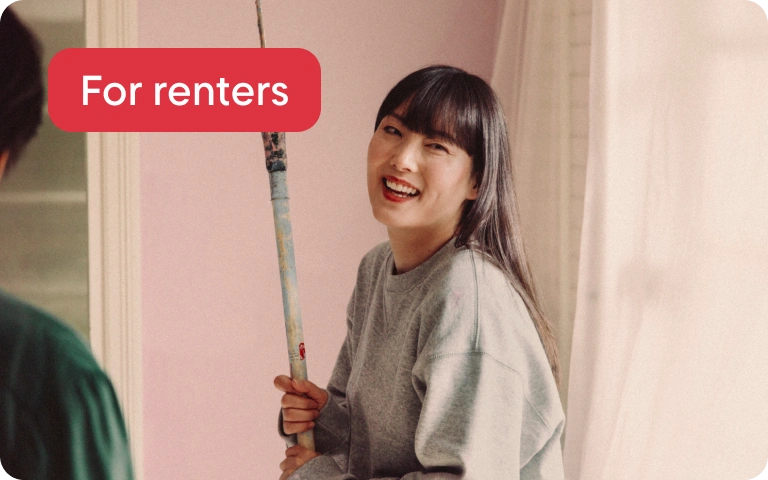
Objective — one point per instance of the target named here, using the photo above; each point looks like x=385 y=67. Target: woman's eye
x=437 y=146
x=391 y=130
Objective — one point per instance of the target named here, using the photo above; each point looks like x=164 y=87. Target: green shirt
x=59 y=416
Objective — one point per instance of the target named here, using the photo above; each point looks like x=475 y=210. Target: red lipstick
x=407 y=192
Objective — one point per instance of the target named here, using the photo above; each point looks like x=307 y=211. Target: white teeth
x=401 y=188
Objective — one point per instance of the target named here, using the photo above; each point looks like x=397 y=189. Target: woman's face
x=417 y=182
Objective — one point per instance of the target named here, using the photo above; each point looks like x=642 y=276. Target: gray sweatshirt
x=441 y=376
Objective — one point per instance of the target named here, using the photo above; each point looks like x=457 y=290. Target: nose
x=404 y=157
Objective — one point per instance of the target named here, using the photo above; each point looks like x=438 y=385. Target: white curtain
x=669 y=371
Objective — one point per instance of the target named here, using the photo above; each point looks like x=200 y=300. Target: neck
x=411 y=248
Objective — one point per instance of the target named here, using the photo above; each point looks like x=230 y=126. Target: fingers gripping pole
x=277 y=160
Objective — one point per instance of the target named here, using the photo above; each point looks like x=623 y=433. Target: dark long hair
x=21 y=86
x=442 y=98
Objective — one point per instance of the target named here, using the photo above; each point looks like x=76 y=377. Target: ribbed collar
x=411 y=278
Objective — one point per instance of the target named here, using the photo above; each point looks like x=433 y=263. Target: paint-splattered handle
x=274 y=149
x=277 y=161
x=292 y=312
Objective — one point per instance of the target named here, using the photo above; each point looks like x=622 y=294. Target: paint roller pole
x=277 y=160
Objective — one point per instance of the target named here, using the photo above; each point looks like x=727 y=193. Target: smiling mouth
x=398 y=189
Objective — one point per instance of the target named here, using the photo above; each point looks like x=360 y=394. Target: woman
x=449 y=367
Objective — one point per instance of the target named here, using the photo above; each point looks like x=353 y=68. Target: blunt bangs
x=439 y=102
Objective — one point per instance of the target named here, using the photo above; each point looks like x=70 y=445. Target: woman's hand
x=295 y=457
x=301 y=404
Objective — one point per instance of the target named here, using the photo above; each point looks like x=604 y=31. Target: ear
x=472 y=194
x=4 y=161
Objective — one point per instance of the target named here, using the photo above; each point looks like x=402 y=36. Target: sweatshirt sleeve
x=332 y=427
x=331 y=430
x=476 y=423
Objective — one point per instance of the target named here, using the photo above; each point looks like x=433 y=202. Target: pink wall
x=212 y=314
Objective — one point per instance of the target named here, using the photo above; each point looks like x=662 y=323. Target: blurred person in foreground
x=59 y=416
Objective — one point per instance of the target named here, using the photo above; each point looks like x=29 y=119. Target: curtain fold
x=670 y=347
x=527 y=76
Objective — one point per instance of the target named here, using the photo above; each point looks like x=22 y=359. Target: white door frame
x=114 y=240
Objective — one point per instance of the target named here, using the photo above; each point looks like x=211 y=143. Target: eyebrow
x=436 y=134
